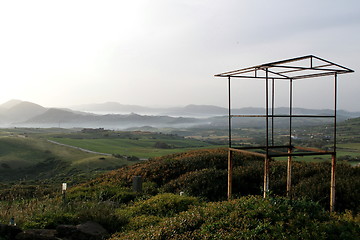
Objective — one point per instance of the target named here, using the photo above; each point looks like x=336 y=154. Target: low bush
x=75 y=213
x=103 y=213
x=50 y=220
x=138 y=222
x=164 y=205
x=102 y=192
x=208 y=184
x=164 y=169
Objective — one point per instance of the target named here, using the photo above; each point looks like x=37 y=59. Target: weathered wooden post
x=266 y=175
x=230 y=174
x=332 y=184
x=288 y=179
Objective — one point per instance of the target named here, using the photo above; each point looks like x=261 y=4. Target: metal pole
x=333 y=156
x=266 y=164
x=229 y=103
x=290 y=113
x=267 y=111
x=289 y=163
x=272 y=111
x=230 y=164
x=335 y=110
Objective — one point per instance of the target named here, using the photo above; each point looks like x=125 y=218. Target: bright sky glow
x=158 y=52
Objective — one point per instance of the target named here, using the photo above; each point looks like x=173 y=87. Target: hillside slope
x=203 y=174
x=70 y=119
x=28 y=158
x=23 y=111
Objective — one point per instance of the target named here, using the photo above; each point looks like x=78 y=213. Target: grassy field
x=28 y=154
x=142 y=147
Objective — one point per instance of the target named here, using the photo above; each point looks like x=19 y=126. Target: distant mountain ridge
x=16 y=113
x=189 y=110
x=201 y=110
x=111 y=107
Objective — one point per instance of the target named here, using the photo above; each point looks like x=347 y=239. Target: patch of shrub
x=5 y=165
x=164 y=205
x=312 y=181
x=75 y=213
x=164 y=169
x=101 y=192
x=162 y=145
x=150 y=188
x=209 y=184
x=248 y=180
x=132 y=158
x=103 y=213
x=50 y=220
x=142 y=221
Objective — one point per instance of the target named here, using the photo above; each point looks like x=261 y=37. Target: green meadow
x=28 y=153
x=142 y=147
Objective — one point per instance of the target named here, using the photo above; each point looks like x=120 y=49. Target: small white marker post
x=64 y=186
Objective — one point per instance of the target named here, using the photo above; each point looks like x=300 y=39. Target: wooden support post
x=288 y=179
x=230 y=174
x=332 y=184
x=266 y=176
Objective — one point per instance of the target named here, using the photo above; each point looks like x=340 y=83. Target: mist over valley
x=112 y=115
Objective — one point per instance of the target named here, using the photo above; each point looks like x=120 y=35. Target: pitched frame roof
x=303 y=67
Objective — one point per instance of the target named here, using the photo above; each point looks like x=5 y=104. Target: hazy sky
x=166 y=52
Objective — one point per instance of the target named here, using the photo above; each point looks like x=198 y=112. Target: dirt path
x=81 y=149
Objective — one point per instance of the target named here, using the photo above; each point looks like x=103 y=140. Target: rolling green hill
x=35 y=158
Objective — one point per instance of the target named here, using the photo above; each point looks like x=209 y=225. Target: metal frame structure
x=290 y=70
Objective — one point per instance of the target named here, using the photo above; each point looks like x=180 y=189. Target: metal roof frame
x=308 y=66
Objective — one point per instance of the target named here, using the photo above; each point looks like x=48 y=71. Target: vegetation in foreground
x=159 y=212
x=245 y=218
